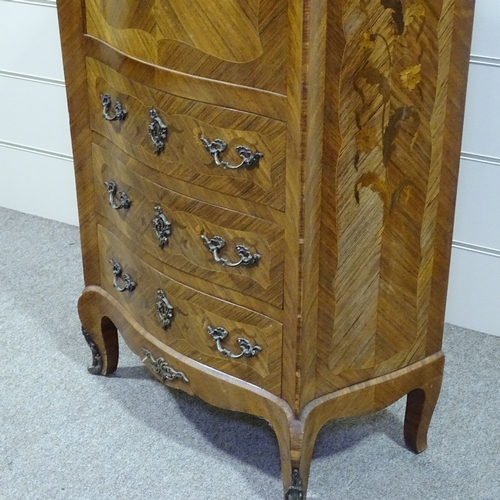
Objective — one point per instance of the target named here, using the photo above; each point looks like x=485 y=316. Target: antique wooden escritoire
x=266 y=194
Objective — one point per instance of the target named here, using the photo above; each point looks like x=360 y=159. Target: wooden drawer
x=184 y=155
x=193 y=313
x=185 y=249
x=234 y=41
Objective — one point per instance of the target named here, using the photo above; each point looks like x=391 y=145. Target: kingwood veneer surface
x=266 y=192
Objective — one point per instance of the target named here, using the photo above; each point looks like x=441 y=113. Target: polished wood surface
x=193 y=313
x=296 y=435
x=392 y=107
x=233 y=41
x=185 y=85
x=190 y=219
x=185 y=156
x=357 y=107
x=382 y=255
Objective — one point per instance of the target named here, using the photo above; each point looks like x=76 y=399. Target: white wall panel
x=34 y=114
x=29 y=40
x=474 y=291
x=37 y=184
x=477 y=216
x=482 y=111
x=486 y=34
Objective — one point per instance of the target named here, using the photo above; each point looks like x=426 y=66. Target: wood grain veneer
x=357 y=106
x=185 y=156
x=193 y=313
x=189 y=219
x=233 y=41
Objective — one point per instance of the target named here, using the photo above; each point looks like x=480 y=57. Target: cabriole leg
x=296 y=451
x=420 y=406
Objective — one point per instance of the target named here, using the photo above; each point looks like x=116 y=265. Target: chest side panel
x=390 y=178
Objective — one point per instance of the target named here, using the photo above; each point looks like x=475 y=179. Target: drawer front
x=184 y=155
x=236 y=41
x=187 y=316
x=180 y=243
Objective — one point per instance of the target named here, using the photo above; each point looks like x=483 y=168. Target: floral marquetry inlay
x=390 y=122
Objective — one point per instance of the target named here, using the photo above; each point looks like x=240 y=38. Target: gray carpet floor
x=65 y=434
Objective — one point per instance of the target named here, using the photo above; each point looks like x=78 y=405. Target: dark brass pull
x=217 y=243
x=163 y=369
x=249 y=159
x=157 y=131
x=295 y=490
x=248 y=350
x=120 y=112
x=128 y=283
x=165 y=310
x=162 y=227
x=125 y=201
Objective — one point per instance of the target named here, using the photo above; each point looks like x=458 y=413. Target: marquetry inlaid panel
x=355 y=109
x=392 y=91
x=227 y=40
x=193 y=312
x=184 y=156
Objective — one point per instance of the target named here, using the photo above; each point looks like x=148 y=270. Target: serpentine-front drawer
x=226 y=151
x=235 y=41
x=187 y=234
x=229 y=338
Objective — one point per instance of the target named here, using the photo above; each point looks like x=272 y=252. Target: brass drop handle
x=120 y=112
x=249 y=159
x=124 y=200
x=157 y=131
x=216 y=243
x=248 y=350
x=128 y=283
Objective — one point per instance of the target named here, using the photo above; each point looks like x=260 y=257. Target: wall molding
x=42 y=3
x=491 y=160
x=485 y=60
x=29 y=149
x=461 y=245
x=32 y=78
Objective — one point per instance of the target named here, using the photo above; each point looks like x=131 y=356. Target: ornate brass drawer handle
x=157 y=131
x=217 y=243
x=247 y=349
x=163 y=369
x=125 y=201
x=120 y=112
x=218 y=146
x=165 y=310
x=162 y=227
x=129 y=283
